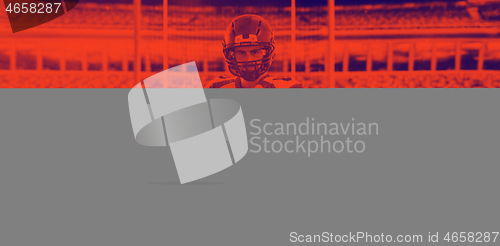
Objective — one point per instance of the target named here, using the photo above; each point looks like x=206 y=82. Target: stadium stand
x=449 y=80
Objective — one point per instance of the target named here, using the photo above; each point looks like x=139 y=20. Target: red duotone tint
x=411 y=45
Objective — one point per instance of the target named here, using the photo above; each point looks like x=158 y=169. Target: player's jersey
x=265 y=82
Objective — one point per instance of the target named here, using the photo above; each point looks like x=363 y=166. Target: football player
x=248 y=47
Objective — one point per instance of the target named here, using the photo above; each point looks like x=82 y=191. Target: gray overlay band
x=71 y=172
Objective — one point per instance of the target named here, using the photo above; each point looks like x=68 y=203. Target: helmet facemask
x=249 y=70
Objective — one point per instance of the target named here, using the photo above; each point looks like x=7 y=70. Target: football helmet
x=248 y=30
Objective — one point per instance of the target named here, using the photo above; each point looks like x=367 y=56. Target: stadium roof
x=381 y=16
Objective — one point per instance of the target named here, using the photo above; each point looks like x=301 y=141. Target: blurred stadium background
x=424 y=44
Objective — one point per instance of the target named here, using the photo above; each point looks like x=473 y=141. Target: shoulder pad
x=284 y=82
x=219 y=82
